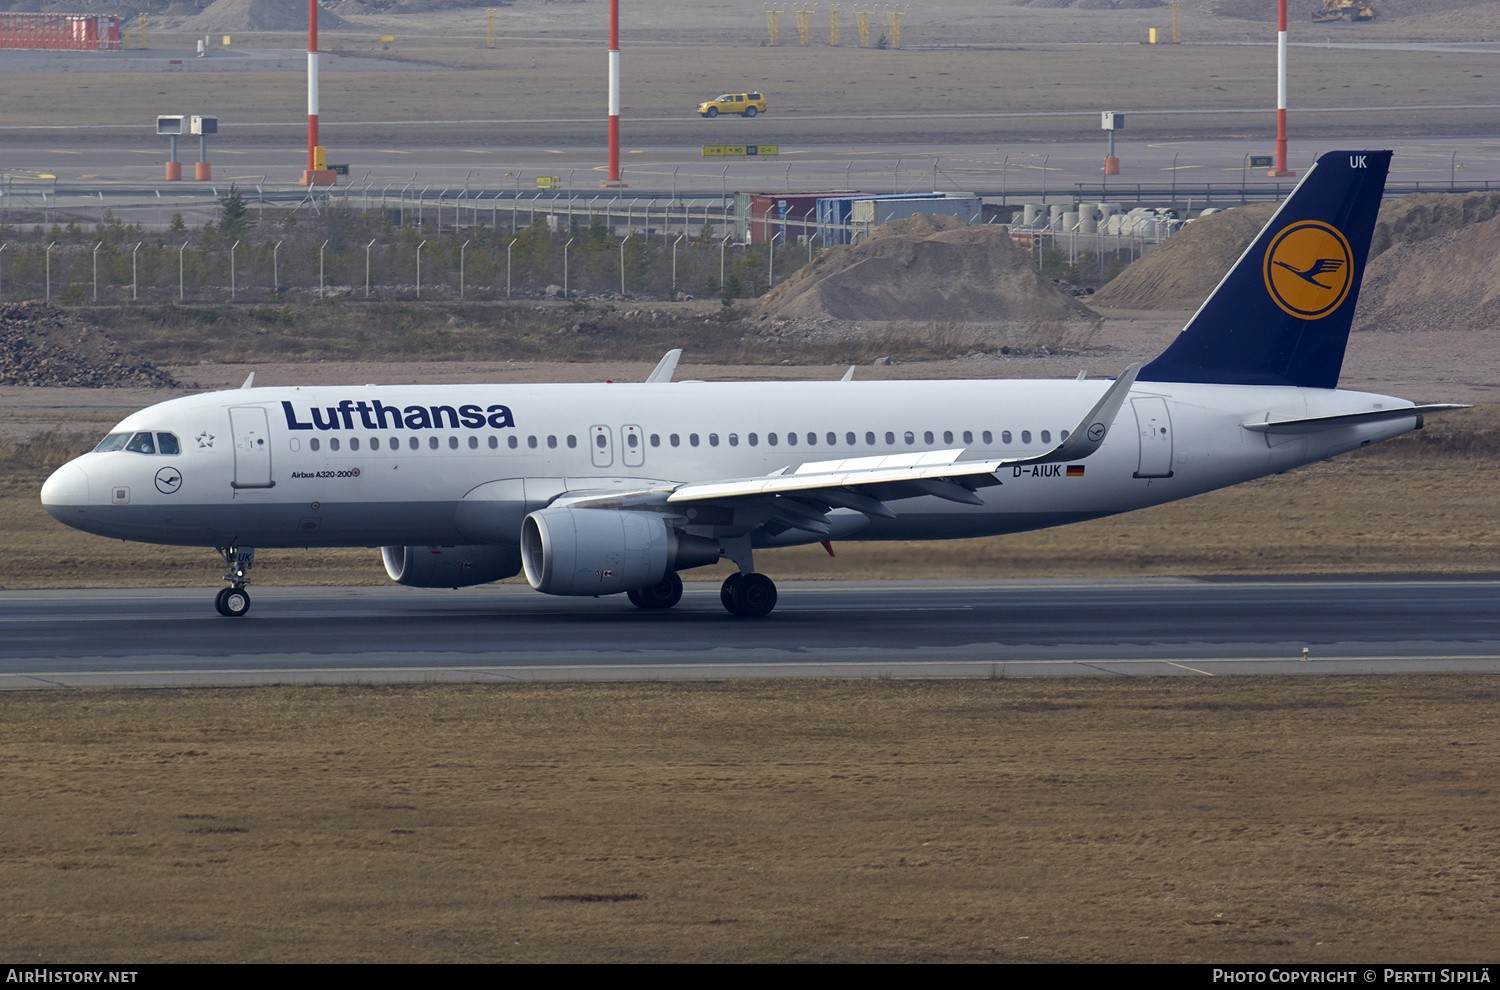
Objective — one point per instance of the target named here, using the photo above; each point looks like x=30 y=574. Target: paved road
x=940 y=629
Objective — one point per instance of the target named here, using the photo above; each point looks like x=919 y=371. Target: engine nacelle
x=450 y=567
x=570 y=551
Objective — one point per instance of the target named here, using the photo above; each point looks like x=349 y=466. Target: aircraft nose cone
x=65 y=495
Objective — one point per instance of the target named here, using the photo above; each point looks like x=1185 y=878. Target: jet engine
x=450 y=567
x=569 y=551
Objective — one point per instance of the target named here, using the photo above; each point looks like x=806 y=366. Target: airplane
x=602 y=489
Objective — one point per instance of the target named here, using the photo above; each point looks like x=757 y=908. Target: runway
x=1160 y=626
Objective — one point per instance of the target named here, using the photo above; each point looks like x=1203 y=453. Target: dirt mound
x=258 y=15
x=1419 y=217
x=968 y=274
x=1183 y=271
x=921 y=225
x=40 y=345
x=1449 y=282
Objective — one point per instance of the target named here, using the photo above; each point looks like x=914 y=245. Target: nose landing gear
x=234 y=601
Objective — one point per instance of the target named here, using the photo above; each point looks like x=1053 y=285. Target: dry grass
x=1165 y=820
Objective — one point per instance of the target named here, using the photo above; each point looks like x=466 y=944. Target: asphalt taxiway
x=1159 y=626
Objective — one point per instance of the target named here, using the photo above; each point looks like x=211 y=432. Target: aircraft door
x=600 y=447
x=252 y=447
x=1155 y=428
x=635 y=446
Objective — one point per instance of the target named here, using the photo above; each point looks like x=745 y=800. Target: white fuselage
x=404 y=465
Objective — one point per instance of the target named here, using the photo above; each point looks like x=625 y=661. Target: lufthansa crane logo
x=1309 y=269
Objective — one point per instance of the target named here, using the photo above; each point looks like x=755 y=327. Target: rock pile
x=42 y=345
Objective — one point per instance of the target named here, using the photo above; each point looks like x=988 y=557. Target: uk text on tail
x=1282 y=314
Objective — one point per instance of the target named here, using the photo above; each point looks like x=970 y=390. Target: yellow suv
x=744 y=104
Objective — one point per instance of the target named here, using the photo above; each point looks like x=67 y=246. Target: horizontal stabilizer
x=1314 y=424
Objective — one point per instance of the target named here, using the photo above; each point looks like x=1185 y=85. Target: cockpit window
x=142 y=443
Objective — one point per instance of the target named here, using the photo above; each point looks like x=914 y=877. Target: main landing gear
x=742 y=594
x=664 y=594
x=234 y=601
x=751 y=595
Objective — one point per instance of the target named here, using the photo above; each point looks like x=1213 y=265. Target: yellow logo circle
x=1308 y=269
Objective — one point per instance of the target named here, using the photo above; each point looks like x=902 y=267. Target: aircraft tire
x=232 y=602
x=635 y=598
x=664 y=594
x=754 y=595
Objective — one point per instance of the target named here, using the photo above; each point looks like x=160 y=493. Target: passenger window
x=1025 y=436
x=572 y=441
x=333 y=443
x=713 y=439
x=141 y=443
x=693 y=439
x=432 y=443
x=674 y=440
x=1004 y=436
x=947 y=436
x=870 y=439
x=753 y=439
x=313 y=442
x=656 y=439
x=734 y=439
x=989 y=437
x=413 y=443
x=166 y=443
x=395 y=443
x=890 y=439
x=601 y=441
x=911 y=438
x=512 y=443
x=791 y=439
x=771 y=439
x=968 y=436
x=1046 y=436
x=833 y=439
x=849 y=439
x=531 y=442
x=495 y=442
x=473 y=443
x=354 y=443
x=927 y=437
x=374 y=443
x=1063 y=435
x=552 y=443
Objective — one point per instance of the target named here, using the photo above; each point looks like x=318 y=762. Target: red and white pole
x=614 y=92
x=1281 y=169
x=312 y=83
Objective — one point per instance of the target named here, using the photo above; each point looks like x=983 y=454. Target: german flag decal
x=1075 y=470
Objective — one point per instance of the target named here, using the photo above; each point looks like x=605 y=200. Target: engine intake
x=570 y=551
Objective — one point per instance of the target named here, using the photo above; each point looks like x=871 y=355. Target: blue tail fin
x=1282 y=314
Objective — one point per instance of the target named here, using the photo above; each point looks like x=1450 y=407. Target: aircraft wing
x=865 y=484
